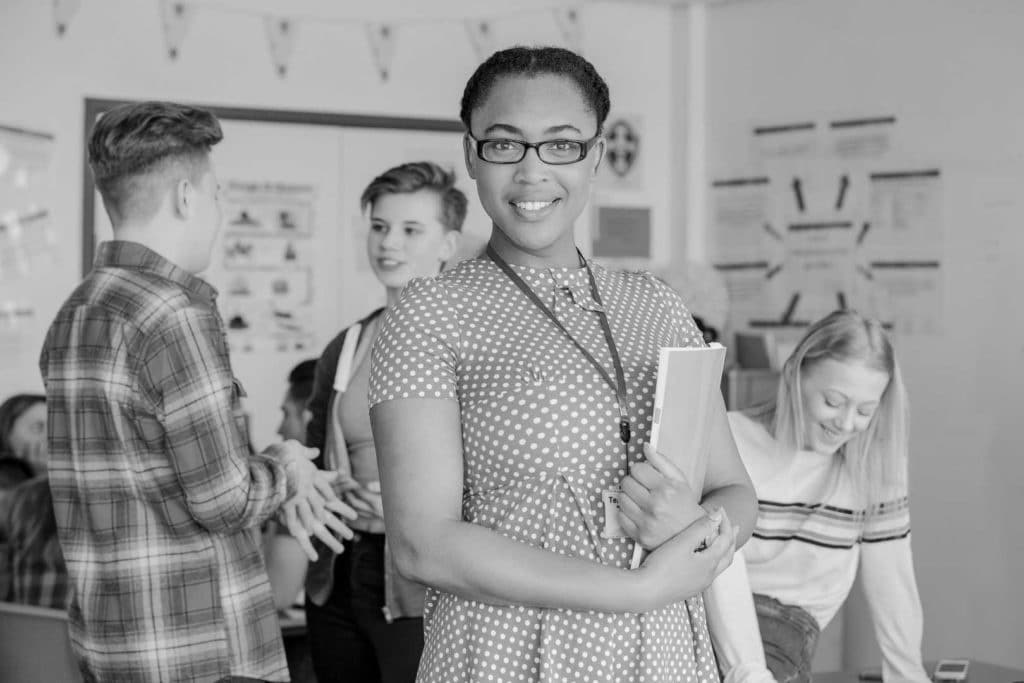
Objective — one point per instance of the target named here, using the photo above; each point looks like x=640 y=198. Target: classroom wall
x=114 y=49
x=949 y=70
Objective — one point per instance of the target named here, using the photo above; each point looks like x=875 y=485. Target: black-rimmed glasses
x=554 y=152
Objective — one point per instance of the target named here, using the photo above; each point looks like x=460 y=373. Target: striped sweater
x=813 y=532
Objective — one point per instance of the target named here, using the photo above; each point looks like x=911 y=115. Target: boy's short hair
x=300 y=381
x=132 y=142
x=421 y=175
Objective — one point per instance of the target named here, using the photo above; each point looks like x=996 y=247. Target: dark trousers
x=349 y=638
x=790 y=637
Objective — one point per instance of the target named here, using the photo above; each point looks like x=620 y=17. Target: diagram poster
x=823 y=224
x=264 y=266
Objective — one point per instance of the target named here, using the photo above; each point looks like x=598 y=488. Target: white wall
x=950 y=71
x=114 y=49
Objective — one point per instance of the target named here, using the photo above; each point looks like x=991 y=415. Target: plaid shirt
x=36 y=581
x=157 y=500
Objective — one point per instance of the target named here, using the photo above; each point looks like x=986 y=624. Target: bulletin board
x=290 y=261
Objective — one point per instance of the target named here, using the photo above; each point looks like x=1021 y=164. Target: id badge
x=612 y=528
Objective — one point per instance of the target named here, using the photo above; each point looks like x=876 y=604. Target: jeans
x=790 y=636
x=349 y=638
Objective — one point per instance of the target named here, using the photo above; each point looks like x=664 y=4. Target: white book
x=688 y=380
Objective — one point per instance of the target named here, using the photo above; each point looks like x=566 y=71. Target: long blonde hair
x=876 y=457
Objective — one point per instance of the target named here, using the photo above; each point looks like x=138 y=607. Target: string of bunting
x=176 y=16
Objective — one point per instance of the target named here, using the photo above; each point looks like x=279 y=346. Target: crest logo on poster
x=623 y=147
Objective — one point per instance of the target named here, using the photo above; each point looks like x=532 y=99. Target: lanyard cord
x=619 y=385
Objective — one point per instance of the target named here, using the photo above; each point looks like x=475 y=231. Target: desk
x=979 y=672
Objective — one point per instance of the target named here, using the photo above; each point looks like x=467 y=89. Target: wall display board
x=28 y=244
x=290 y=261
x=828 y=222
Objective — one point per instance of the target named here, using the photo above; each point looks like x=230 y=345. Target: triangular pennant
x=481 y=37
x=382 y=45
x=175 y=17
x=281 y=36
x=568 y=20
x=63 y=12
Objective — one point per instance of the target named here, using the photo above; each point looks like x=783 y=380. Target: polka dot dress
x=541 y=441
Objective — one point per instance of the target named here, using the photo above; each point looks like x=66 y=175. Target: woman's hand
x=688 y=562
x=657 y=501
x=366 y=500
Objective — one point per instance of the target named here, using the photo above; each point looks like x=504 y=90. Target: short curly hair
x=531 y=62
x=421 y=175
x=134 y=140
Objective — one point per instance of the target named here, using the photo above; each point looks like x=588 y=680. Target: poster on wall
x=746 y=240
x=809 y=234
x=622 y=235
x=788 y=140
x=27 y=241
x=902 y=247
x=863 y=137
x=264 y=267
x=622 y=167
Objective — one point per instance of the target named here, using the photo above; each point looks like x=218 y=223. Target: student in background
x=13 y=471
x=38 y=574
x=286 y=563
x=365 y=621
x=828 y=458
x=295 y=413
x=23 y=429
x=511 y=396
x=156 y=497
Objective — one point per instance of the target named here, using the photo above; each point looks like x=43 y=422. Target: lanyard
x=619 y=385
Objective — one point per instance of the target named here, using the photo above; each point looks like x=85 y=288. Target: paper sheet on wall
x=27 y=241
x=746 y=240
x=902 y=245
x=263 y=265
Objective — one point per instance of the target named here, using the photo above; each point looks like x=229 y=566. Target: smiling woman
x=511 y=397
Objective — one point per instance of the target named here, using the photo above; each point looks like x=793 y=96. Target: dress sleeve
x=684 y=330
x=416 y=352
x=887 y=574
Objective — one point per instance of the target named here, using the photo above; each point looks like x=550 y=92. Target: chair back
x=34 y=645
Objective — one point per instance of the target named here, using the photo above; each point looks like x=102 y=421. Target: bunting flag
x=568 y=20
x=481 y=37
x=382 y=45
x=175 y=17
x=281 y=36
x=63 y=12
